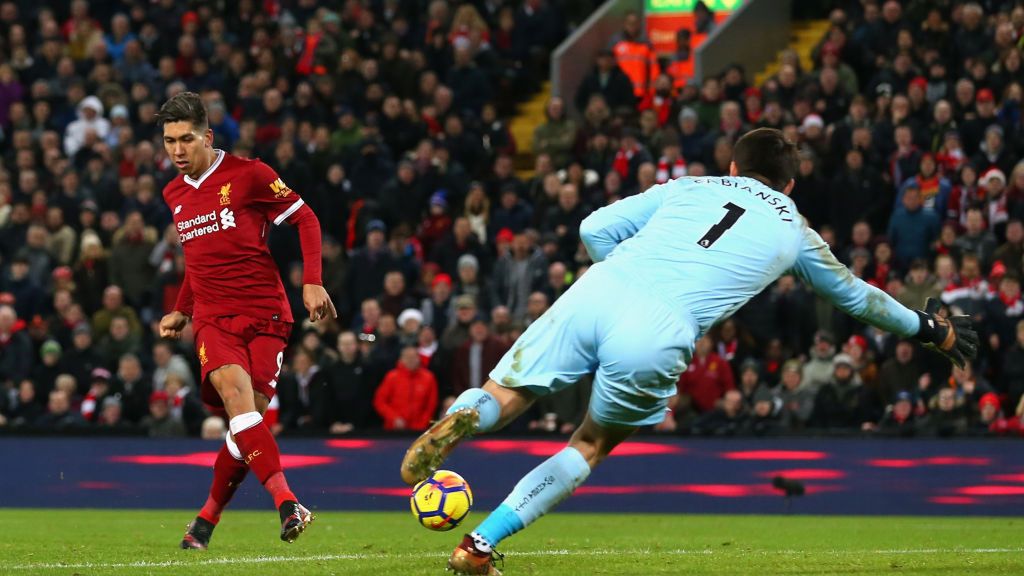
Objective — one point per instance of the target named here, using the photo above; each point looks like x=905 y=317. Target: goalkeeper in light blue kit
x=669 y=264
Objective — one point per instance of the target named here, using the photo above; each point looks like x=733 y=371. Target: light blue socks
x=486 y=405
x=537 y=493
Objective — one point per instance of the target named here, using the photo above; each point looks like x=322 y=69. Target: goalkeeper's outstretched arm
x=954 y=337
x=605 y=228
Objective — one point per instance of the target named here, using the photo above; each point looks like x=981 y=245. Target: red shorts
x=257 y=345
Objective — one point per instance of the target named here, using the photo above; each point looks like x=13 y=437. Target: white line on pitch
x=563 y=552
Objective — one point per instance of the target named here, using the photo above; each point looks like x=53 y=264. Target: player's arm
x=173 y=323
x=605 y=228
x=816 y=264
x=280 y=204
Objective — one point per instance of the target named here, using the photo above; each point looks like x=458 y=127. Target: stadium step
x=529 y=115
x=804 y=36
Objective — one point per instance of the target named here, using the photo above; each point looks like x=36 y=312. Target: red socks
x=259 y=449
x=228 y=474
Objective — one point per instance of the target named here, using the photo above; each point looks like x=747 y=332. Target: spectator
x=167 y=362
x=159 y=423
x=59 y=416
x=913 y=228
x=407 y=397
x=819 y=367
x=517 y=274
x=90 y=123
x=213 y=428
x=15 y=346
x=351 y=390
x=115 y=306
x=900 y=419
x=303 y=394
x=436 y=308
x=608 y=80
x=368 y=266
x=837 y=403
x=728 y=419
x=26 y=408
x=796 y=400
x=185 y=404
x=470 y=282
x=946 y=416
x=475 y=359
x=557 y=135
x=707 y=377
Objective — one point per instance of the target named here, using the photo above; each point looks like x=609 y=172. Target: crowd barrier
x=841 y=476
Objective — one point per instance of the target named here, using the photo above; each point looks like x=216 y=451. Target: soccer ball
x=442 y=501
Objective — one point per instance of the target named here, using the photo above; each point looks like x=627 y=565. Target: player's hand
x=319 y=304
x=172 y=325
x=954 y=337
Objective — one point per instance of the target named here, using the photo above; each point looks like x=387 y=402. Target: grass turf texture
x=89 y=542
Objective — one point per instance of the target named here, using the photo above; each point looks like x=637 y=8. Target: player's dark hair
x=767 y=155
x=184 y=107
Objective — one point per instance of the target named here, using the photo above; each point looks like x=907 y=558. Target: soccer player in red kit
x=223 y=206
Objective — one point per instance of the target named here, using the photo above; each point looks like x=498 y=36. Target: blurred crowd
x=390 y=118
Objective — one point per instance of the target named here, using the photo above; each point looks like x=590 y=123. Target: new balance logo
x=227 y=219
x=177 y=209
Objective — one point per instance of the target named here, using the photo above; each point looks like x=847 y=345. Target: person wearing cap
x=837 y=403
x=45 y=373
x=976 y=125
x=27 y=293
x=457 y=332
x=409 y=323
x=368 y=266
x=159 y=423
x=437 y=306
x=437 y=223
x=471 y=282
x=818 y=369
x=750 y=383
x=100 y=386
x=90 y=119
x=900 y=417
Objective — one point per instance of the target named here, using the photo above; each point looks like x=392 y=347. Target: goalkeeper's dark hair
x=767 y=155
x=184 y=107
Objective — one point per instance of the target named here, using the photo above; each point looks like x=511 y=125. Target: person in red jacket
x=707 y=378
x=407 y=397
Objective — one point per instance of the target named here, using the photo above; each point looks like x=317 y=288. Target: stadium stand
x=391 y=119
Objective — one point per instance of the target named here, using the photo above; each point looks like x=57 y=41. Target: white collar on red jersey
x=197 y=183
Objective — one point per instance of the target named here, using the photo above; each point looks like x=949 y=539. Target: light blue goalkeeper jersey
x=707 y=245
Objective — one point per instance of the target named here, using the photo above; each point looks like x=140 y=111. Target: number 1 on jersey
x=731 y=216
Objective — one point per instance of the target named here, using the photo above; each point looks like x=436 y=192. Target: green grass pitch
x=94 y=542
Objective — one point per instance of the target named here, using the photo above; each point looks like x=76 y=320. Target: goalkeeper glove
x=952 y=337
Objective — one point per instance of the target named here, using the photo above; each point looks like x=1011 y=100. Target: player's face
x=188 y=146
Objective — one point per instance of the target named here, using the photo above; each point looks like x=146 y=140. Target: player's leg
x=475 y=411
x=229 y=471
x=266 y=354
x=632 y=384
x=553 y=353
x=217 y=345
x=537 y=493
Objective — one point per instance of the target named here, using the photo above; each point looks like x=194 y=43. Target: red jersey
x=222 y=219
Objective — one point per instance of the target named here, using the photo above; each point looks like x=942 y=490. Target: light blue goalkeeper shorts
x=635 y=345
